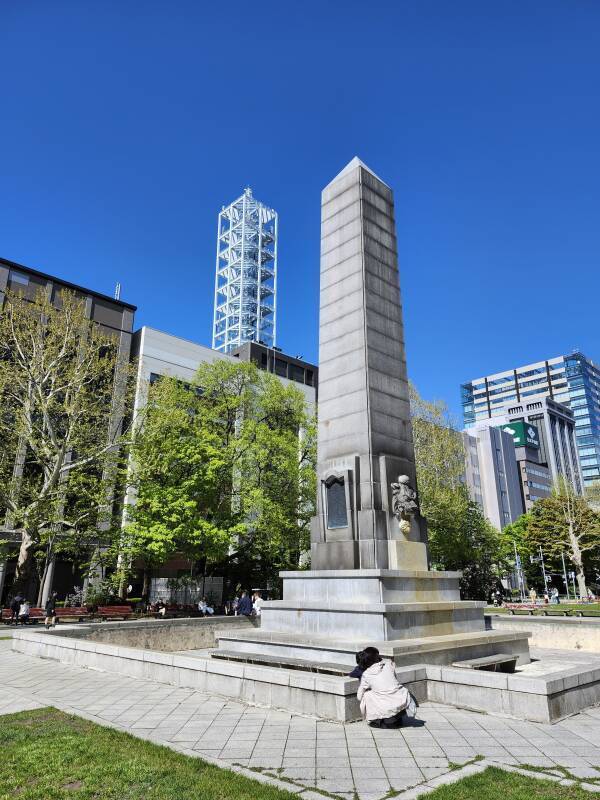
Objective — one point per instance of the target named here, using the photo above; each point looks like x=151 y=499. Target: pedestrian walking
x=533 y=595
x=51 y=611
x=14 y=608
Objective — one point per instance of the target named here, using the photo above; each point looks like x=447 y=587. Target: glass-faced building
x=571 y=380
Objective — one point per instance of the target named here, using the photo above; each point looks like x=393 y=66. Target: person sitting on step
x=383 y=699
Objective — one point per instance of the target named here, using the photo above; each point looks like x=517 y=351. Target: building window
x=26 y=285
x=296 y=373
x=107 y=313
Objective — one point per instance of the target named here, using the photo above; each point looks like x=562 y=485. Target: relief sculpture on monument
x=405 y=504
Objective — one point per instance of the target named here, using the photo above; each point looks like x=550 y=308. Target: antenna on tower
x=118 y=291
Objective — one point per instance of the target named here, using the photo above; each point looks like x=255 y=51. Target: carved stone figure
x=404 y=502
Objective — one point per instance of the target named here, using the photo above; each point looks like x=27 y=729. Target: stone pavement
x=352 y=761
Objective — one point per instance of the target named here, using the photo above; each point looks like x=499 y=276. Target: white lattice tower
x=246 y=275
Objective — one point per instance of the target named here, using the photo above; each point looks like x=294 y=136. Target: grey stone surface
x=364 y=421
x=562 y=690
x=370 y=583
x=565 y=633
x=350 y=760
x=156 y=634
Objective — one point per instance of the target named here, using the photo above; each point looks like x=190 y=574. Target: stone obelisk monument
x=369 y=581
x=367 y=510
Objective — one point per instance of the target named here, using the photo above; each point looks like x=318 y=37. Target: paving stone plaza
x=347 y=760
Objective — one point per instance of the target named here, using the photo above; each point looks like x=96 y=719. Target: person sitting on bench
x=383 y=700
x=24 y=612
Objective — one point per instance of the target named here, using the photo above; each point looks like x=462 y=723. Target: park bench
x=564 y=612
x=500 y=662
x=114 y=612
x=525 y=609
x=34 y=614
x=72 y=612
x=282 y=662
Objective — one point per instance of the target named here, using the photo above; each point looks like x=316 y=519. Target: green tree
x=223 y=473
x=460 y=538
x=565 y=523
x=63 y=392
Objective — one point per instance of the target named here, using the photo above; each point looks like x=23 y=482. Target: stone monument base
x=412 y=616
x=407 y=555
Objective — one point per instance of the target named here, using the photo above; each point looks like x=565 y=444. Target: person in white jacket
x=382 y=698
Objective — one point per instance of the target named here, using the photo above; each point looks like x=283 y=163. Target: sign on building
x=524 y=434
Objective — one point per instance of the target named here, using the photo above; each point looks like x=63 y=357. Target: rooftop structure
x=246 y=275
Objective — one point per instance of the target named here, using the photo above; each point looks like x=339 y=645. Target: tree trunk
x=43 y=581
x=577 y=559
x=146 y=585
x=583 y=593
x=23 y=568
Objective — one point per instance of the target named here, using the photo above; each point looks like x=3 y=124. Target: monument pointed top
x=352 y=165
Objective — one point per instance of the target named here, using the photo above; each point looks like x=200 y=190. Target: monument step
x=441 y=650
x=356 y=621
x=371 y=586
x=368 y=573
x=373 y=608
x=322 y=667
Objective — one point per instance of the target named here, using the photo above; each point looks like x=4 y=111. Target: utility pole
x=519 y=572
x=543 y=570
x=565 y=579
x=540 y=558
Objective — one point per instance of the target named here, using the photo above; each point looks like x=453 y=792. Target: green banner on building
x=524 y=434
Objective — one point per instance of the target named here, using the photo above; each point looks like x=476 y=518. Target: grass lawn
x=48 y=755
x=495 y=783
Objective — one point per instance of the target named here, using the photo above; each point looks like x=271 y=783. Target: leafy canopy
x=62 y=400
x=224 y=471
x=460 y=538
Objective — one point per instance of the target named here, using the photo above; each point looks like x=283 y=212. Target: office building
x=552 y=444
x=246 y=275
x=163 y=354
x=536 y=477
x=503 y=470
x=492 y=475
x=273 y=360
x=571 y=380
x=115 y=318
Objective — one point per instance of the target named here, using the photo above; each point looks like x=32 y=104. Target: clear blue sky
x=125 y=126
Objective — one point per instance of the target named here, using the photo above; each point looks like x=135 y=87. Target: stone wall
x=560 y=633
x=163 y=635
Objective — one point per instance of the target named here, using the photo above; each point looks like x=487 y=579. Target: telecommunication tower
x=246 y=275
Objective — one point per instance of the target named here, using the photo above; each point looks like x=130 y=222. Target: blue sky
x=125 y=126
